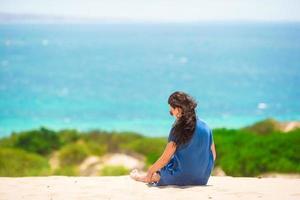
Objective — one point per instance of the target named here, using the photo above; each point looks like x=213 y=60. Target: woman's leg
x=136 y=175
x=142 y=178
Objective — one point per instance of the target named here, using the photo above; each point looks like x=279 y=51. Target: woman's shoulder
x=202 y=125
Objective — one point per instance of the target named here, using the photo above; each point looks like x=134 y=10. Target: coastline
x=153 y=128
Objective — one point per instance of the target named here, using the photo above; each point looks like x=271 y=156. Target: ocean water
x=119 y=76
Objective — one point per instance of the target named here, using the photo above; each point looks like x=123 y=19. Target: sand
x=123 y=187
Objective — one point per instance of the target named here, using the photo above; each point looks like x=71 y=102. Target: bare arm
x=164 y=158
x=213 y=149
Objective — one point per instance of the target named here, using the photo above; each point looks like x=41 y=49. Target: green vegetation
x=113 y=170
x=73 y=154
x=41 y=141
x=152 y=148
x=241 y=153
x=248 y=151
x=70 y=170
x=17 y=162
x=266 y=126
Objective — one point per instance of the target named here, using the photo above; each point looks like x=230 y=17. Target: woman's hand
x=162 y=161
x=149 y=177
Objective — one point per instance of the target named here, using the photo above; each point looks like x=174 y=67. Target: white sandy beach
x=123 y=187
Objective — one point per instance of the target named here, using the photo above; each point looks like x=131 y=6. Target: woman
x=190 y=154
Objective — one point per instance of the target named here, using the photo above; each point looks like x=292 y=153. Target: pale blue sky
x=161 y=10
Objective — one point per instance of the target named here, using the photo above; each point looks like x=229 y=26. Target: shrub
x=240 y=153
x=67 y=136
x=41 y=141
x=152 y=148
x=17 y=162
x=96 y=149
x=266 y=126
x=73 y=154
x=70 y=170
x=114 y=170
x=112 y=141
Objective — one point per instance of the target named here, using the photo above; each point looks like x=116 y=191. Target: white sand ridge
x=123 y=187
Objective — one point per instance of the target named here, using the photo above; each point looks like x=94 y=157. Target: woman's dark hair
x=184 y=127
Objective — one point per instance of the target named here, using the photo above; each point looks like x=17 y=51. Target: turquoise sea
x=119 y=76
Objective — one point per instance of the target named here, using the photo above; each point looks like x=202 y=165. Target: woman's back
x=193 y=162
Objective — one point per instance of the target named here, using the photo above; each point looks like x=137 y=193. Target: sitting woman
x=189 y=156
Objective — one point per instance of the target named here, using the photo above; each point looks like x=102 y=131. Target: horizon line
x=38 y=18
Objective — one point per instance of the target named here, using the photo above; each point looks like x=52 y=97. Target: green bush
x=41 y=141
x=113 y=170
x=266 y=126
x=70 y=170
x=112 y=141
x=17 y=162
x=96 y=149
x=152 y=148
x=9 y=141
x=73 y=154
x=67 y=136
x=240 y=153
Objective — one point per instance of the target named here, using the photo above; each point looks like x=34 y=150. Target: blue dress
x=192 y=163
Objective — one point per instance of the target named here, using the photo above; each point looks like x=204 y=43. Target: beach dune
x=123 y=187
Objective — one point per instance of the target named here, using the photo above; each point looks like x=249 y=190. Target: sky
x=160 y=10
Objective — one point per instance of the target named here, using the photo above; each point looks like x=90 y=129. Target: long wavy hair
x=184 y=127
